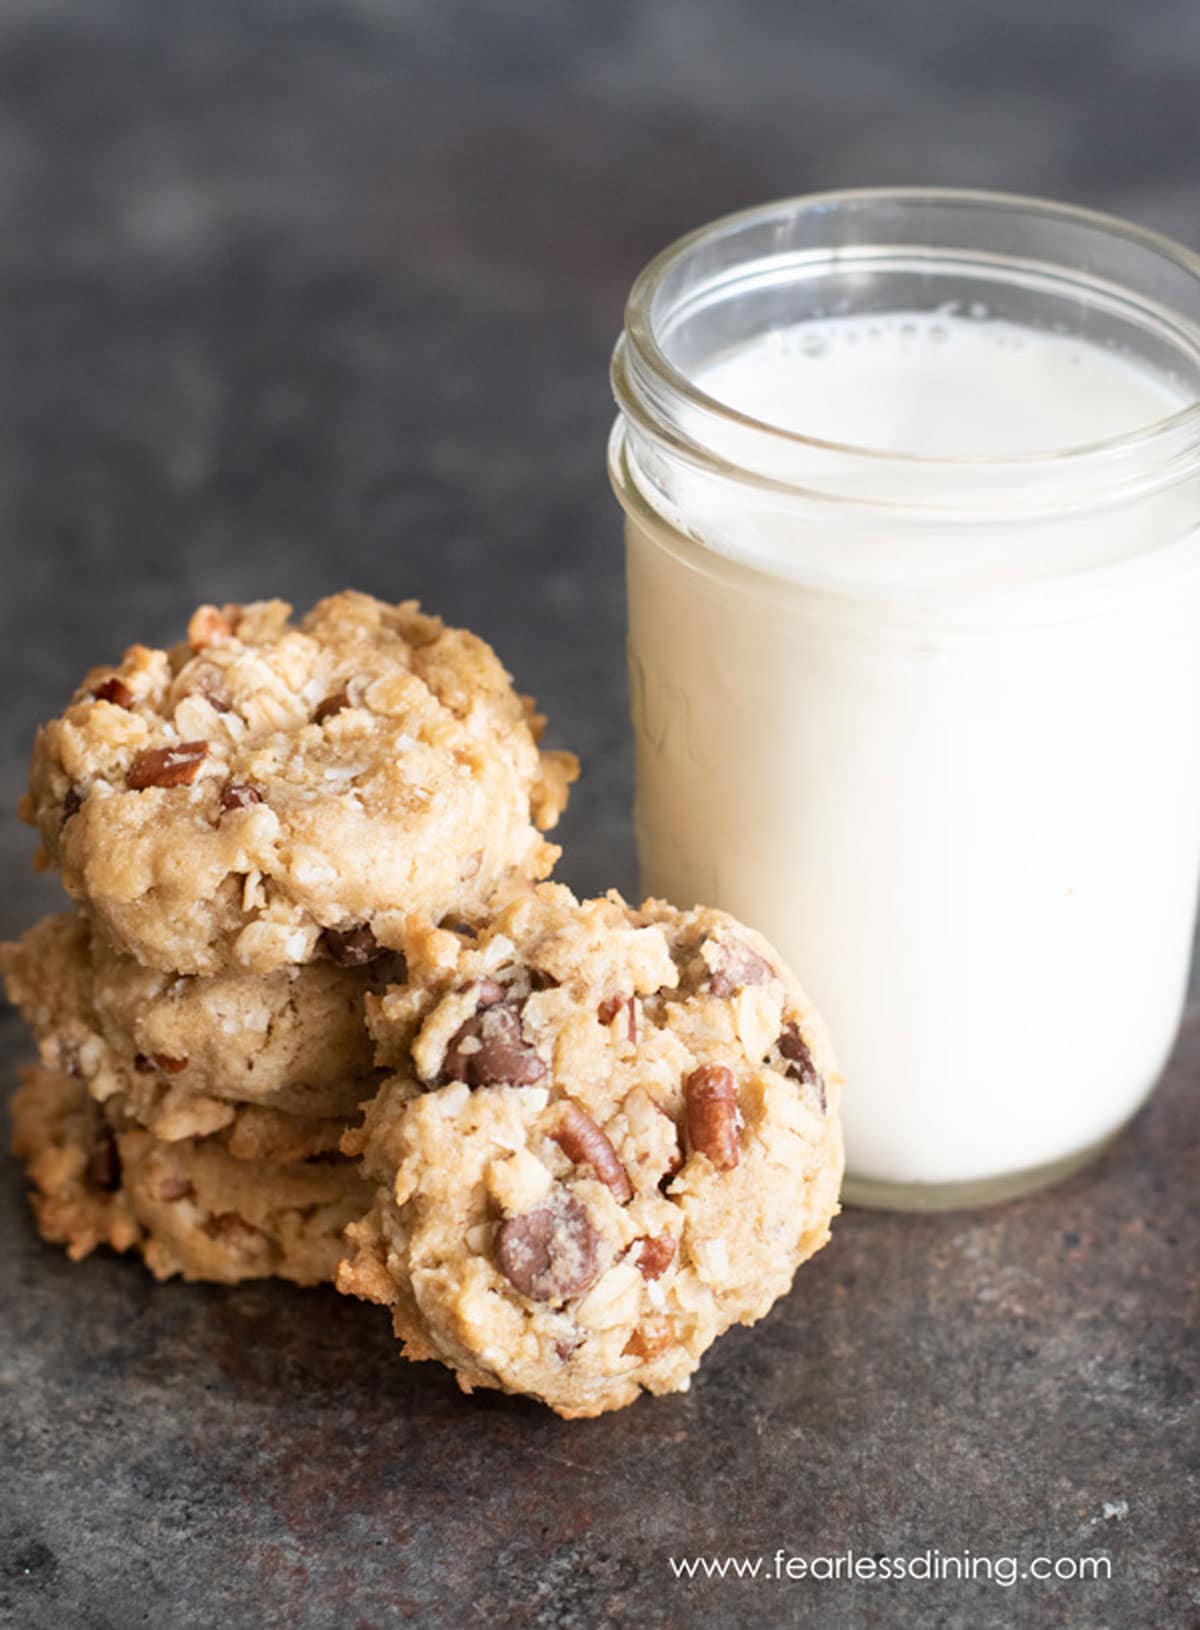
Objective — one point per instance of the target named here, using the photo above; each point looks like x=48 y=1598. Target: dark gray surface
x=298 y=295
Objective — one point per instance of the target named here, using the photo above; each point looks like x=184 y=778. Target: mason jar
x=912 y=483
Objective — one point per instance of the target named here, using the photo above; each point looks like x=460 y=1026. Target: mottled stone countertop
x=301 y=294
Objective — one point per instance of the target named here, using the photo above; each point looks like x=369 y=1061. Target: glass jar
x=930 y=721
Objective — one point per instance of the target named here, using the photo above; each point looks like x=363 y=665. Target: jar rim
x=642 y=370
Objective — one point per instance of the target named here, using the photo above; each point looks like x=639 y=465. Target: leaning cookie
x=294 y=1039
x=267 y=1196
x=610 y=1135
x=272 y=788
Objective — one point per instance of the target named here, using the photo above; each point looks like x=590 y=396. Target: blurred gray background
x=297 y=295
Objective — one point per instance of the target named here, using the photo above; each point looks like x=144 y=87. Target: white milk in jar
x=914 y=604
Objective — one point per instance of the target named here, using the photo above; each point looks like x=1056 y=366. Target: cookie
x=294 y=1038
x=264 y=1197
x=609 y=1135
x=269 y=790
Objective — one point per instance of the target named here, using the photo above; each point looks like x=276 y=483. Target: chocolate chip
x=674 y=1164
x=710 y=1093
x=331 y=705
x=550 y=1254
x=239 y=795
x=490 y=1050
x=114 y=690
x=104 y=1162
x=738 y=966
x=586 y=1144
x=166 y=766
x=351 y=947
x=800 y=1064
x=72 y=803
x=795 y=1049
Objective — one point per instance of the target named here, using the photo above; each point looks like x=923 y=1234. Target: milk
x=950 y=767
x=941 y=384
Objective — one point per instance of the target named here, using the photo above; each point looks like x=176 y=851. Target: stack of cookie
x=318 y=1016
x=252 y=824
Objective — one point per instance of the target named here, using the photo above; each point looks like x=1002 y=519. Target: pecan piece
x=490 y=1050
x=114 y=690
x=215 y=697
x=163 y=1063
x=551 y=1254
x=653 y=1253
x=710 y=1094
x=104 y=1162
x=351 y=947
x=331 y=705
x=209 y=626
x=230 y=1229
x=586 y=1144
x=739 y=966
x=652 y=1337
x=239 y=795
x=166 y=766
x=67 y=1059
x=612 y=1005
